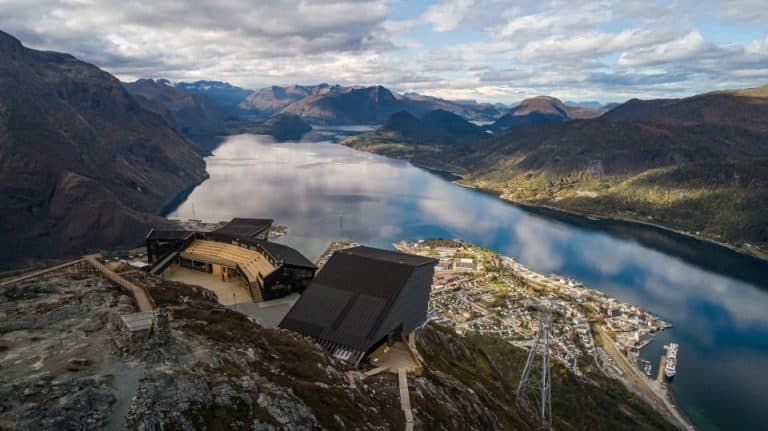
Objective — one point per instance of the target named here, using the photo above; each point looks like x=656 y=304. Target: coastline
x=662 y=399
x=180 y=197
x=657 y=395
x=762 y=256
x=460 y=175
x=599 y=217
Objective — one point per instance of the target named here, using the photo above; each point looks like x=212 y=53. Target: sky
x=486 y=50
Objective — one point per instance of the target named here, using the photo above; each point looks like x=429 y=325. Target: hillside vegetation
x=725 y=200
x=405 y=136
x=696 y=164
x=596 y=403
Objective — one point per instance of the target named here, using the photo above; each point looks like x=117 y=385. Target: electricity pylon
x=545 y=385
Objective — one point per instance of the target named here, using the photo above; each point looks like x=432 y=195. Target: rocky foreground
x=62 y=369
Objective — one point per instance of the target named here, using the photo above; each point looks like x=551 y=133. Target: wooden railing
x=140 y=294
x=40 y=272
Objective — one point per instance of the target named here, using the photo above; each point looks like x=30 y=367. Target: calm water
x=717 y=300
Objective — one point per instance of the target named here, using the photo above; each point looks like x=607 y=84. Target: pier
x=662 y=364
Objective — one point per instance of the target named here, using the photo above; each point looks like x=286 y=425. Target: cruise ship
x=671 y=368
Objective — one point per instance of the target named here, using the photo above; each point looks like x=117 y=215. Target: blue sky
x=488 y=50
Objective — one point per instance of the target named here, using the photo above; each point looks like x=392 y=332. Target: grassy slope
x=696 y=164
x=468 y=379
x=389 y=144
x=723 y=200
x=578 y=404
x=461 y=389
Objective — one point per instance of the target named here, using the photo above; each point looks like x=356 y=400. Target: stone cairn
x=162 y=330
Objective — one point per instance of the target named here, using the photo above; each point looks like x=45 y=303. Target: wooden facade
x=238 y=253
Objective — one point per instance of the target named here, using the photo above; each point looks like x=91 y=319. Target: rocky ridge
x=219 y=370
x=82 y=162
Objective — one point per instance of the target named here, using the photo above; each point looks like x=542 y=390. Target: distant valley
x=194 y=114
x=90 y=162
x=118 y=153
x=337 y=105
x=696 y=165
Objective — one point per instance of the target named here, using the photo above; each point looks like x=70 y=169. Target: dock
x=662 y=364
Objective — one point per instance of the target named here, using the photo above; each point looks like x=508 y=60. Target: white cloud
x=178 y=38
x=689 y=46
x=589 y=44
x=744 y=11
x=491 y=50
x=448 y=15
x=552 y=21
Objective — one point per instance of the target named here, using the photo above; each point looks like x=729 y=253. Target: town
x=477 y=291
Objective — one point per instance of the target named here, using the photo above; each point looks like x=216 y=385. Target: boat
x=670 y=369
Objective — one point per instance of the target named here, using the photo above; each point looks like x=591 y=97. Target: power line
x=544 y=386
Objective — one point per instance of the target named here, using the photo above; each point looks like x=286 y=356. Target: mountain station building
x=238 y=256
x=362 y=298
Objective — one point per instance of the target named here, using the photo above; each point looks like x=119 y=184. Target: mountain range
x=205 y=110
x=83 y=163
x=89 y=160
x=337 y=105
x=697 y=165
x=403 y=133
x=272 y=100
x=543 y=109
x=196 y=115
x=223 y=93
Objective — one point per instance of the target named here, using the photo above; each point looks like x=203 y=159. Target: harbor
x=476 y=291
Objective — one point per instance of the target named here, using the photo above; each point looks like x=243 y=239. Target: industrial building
x=362 y=298
x=238 y=254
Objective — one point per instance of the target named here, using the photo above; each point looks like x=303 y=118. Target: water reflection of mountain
x=704 y=254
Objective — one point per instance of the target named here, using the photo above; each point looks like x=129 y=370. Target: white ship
x=671 y=368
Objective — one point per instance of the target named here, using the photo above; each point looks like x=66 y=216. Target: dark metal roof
x=352 y=296
x=160 y=235
x=243 y=228
x=281 y=252
x=160 y=265
x=388 y=256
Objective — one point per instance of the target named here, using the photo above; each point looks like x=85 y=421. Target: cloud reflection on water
x=309 y=186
